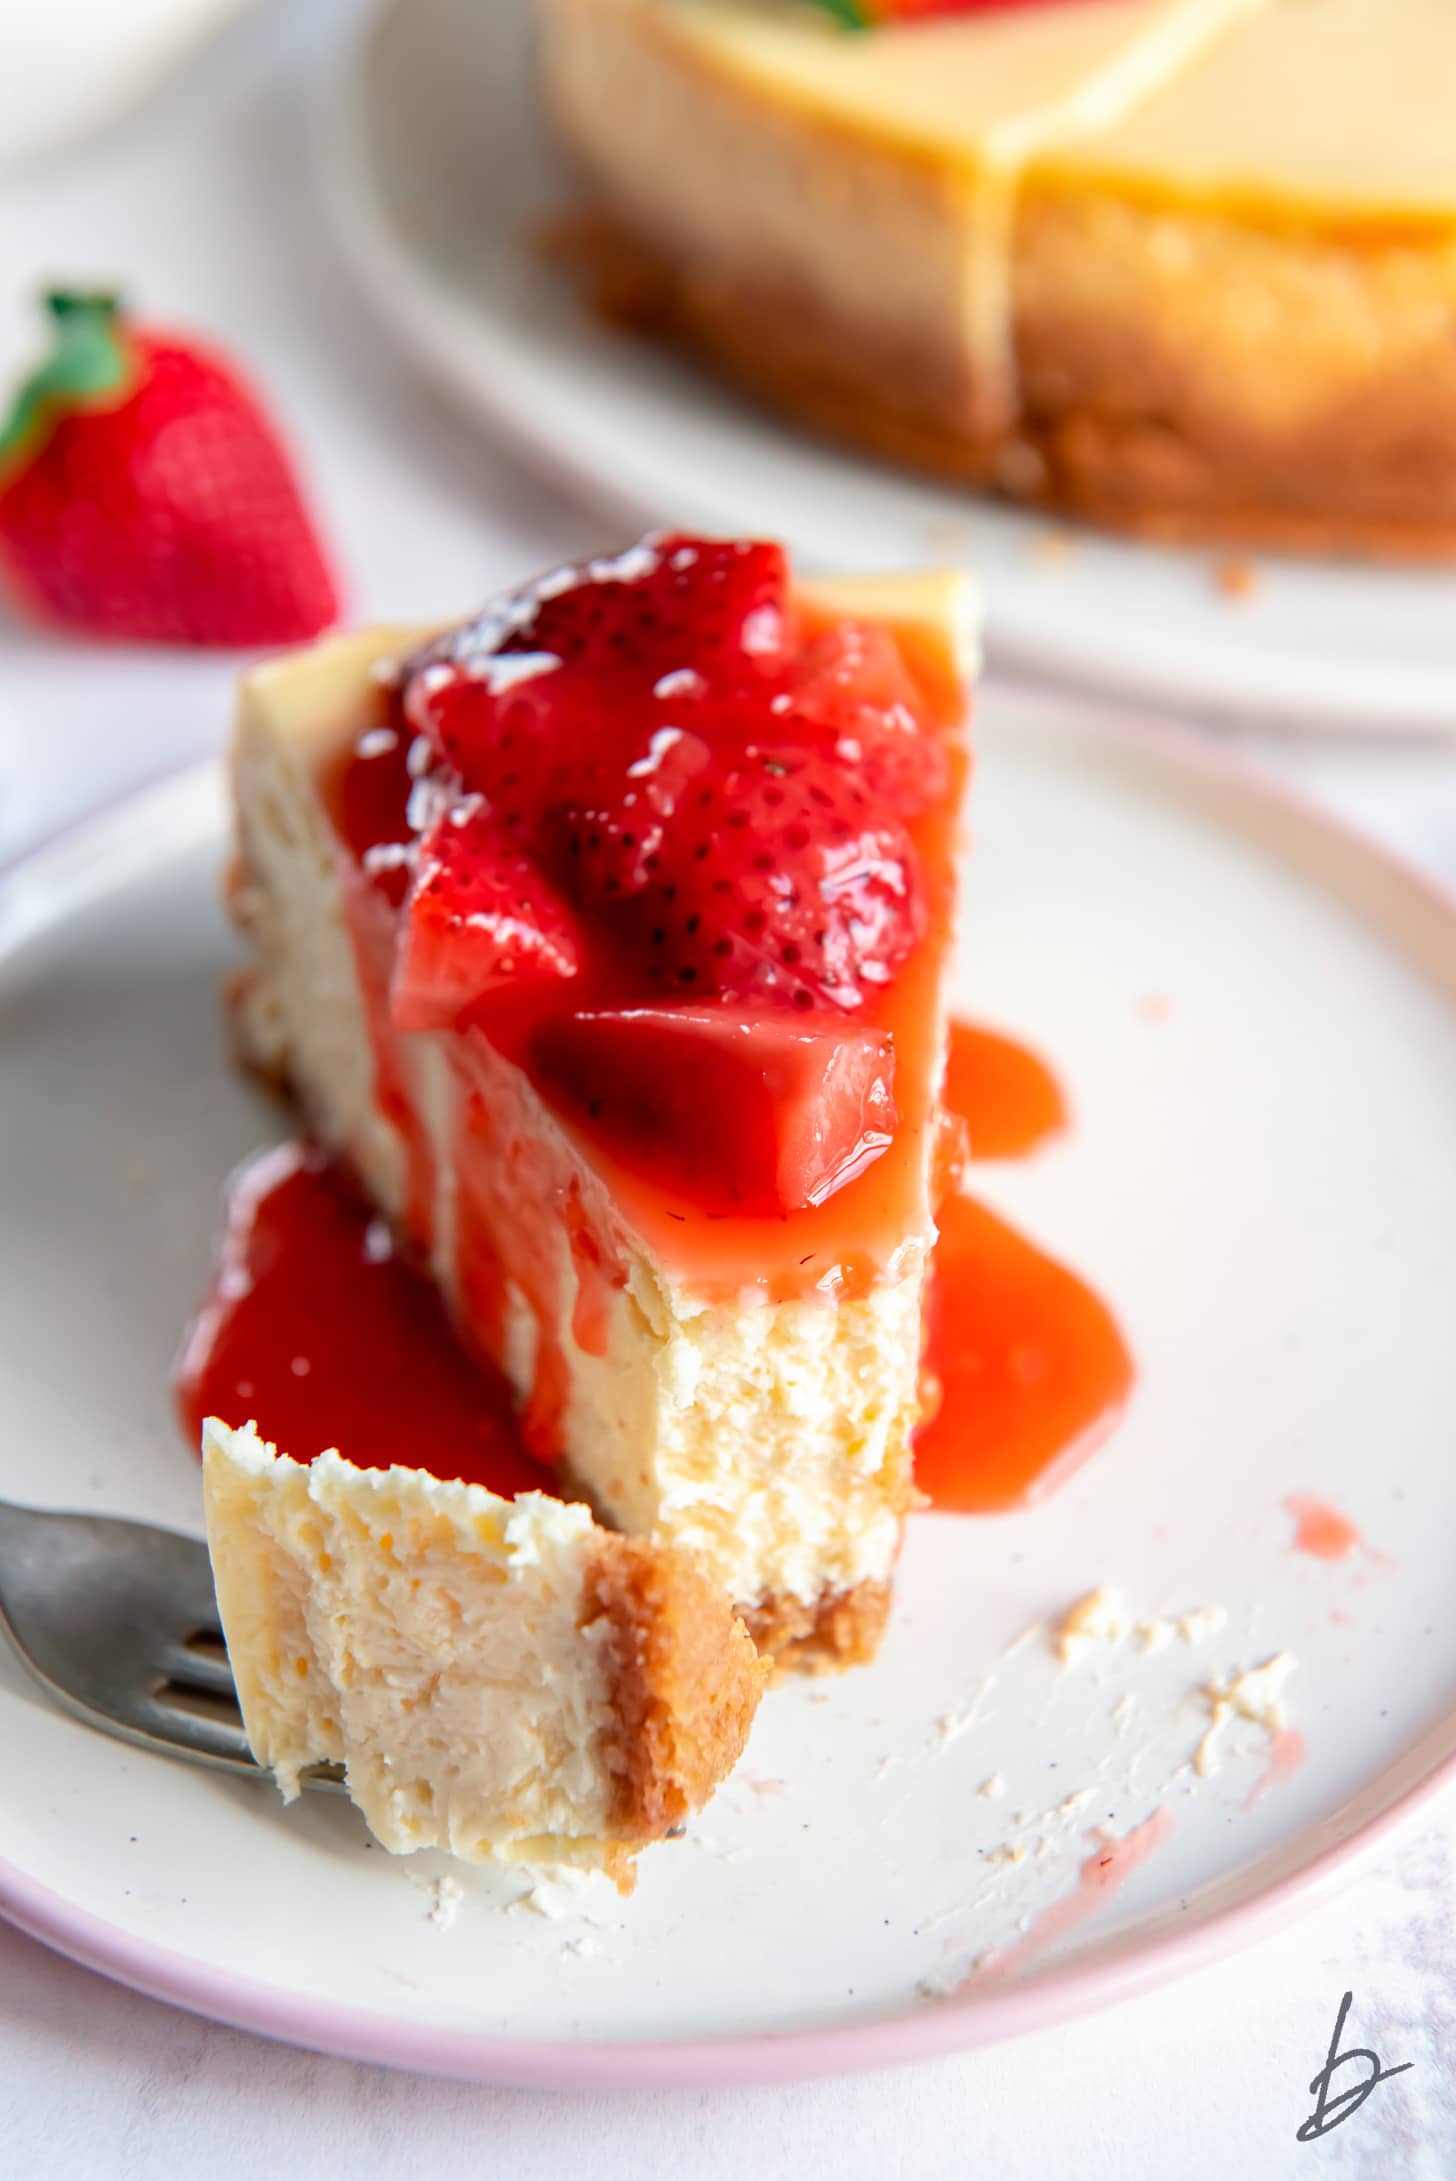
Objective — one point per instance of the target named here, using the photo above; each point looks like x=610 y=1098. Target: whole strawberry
x=145 y=495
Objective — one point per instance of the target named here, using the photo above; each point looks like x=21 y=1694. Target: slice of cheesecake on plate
x=606 y=938
x=501 y=1678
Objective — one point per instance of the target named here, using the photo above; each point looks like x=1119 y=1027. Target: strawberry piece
x=479 y=918
x=853 y=685
x=783 y=882
x=755 y=1115
x=542 y=684
x=670 y=603
x=145 y=495
x=724 y=803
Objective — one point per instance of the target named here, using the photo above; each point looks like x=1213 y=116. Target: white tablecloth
x=204 y=203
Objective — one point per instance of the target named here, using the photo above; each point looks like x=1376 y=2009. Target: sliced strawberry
x=781 y=882
x=742 y=1113
x=725 y=806
x=853 y=685
x=669 y=604
x=479 y=917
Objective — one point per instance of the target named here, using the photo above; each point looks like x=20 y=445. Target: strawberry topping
x=782 y=883
x=710 y=793
x=481 y=918
x=758 y=1114
x=654 y=832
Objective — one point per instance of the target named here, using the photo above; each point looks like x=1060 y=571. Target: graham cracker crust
x=1112 y=430
x=842 y=1628
x=685 y=1677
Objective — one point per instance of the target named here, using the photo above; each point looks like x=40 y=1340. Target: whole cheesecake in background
x=606 y=940
x=1183 y=267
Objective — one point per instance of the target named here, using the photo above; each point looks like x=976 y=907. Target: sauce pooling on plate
x=1009 y=1099
x=1026 y=1370
x=318 y=1331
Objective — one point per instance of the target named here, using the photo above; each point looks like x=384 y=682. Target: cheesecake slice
x=499 y=1678
x=606 y=939
x=1179 y=266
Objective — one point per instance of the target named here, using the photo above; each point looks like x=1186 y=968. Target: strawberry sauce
x=319 y=1332
x=1026 y=1371
x=1009 y=1099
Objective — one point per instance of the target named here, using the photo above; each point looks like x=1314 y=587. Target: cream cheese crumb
x=555 y=1893
x=1205 y=1621
x=993 y=1789
x=1256 y=1693
x=1101 y=1617
x=446 y=1895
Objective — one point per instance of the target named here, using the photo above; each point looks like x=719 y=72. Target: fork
x=119 y=1622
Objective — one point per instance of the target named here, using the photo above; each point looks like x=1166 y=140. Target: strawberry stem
x=851 y=13
x=88 y=357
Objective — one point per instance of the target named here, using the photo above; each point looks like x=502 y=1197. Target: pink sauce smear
x=1286 y=1755
x=1106 y=1870
x=1321 y=1530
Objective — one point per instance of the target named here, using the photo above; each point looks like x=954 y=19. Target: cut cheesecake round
x=1180 y=266
x=499 y=1678
x=694 y=1236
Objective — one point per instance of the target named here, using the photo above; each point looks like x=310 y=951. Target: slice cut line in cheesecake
x=500 y=1678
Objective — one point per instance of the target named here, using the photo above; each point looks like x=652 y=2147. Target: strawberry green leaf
x=88 y=358
x=848 y=12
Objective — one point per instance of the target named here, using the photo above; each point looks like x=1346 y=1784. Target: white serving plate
x=437 y=178
x=1255 y=1015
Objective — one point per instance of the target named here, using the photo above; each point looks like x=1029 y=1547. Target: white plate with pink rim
x=438 y=178
x=1255 y=1016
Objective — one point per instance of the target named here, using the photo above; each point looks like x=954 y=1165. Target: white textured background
x=203 y=201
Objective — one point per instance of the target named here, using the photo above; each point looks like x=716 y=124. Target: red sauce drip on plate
x=1026 y=1371
x=1009 y=1099
x=1030 y=1368
x=319 y=1332
x=1321 y=1530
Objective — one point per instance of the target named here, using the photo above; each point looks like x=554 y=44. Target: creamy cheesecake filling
x=382 y=1617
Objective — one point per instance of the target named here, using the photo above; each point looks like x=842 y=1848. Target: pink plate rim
x=960 y=2022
